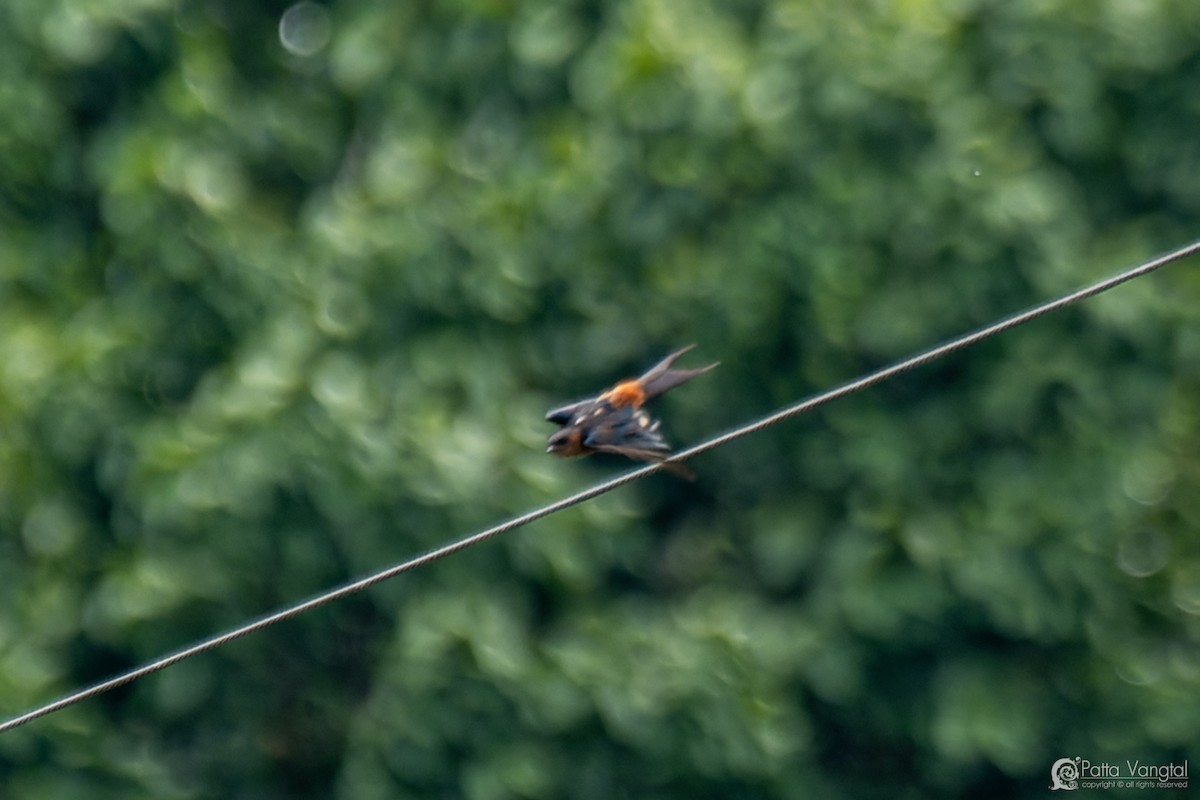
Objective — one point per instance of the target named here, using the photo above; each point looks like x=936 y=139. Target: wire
x=604 y=487
x=944 y=349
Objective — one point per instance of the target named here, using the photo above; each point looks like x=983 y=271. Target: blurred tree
x=287 y=287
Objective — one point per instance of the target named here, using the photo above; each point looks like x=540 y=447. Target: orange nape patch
x=626 y=393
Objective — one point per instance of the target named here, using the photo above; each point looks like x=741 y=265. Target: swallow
x=615 y=422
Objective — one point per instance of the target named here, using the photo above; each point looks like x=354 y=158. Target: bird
x=616 y=422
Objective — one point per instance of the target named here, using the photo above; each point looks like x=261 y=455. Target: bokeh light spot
x=304 y=29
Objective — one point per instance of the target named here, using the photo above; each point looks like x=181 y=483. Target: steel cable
x=604 y=487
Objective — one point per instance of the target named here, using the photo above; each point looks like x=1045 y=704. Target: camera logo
x=1065 y=774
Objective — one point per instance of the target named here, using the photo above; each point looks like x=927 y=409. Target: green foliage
x=286 y=291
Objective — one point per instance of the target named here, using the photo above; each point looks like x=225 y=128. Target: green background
x=285 y=292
